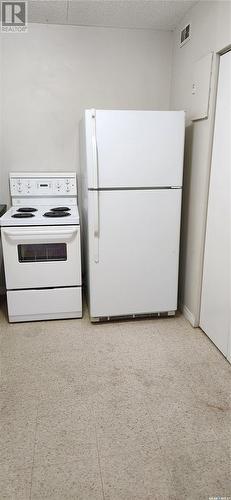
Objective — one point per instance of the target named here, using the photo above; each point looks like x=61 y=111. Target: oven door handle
x=38 y=234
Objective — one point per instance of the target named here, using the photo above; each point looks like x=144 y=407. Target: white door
x=136 y=270
x=135 y=148
x=40 y=257
x=215 y=303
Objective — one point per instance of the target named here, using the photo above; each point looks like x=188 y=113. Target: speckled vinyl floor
x=132 y=410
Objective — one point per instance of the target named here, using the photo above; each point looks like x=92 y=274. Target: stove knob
x=19 y=189
x=68 y=188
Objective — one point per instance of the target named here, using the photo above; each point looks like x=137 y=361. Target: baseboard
x=189 y=315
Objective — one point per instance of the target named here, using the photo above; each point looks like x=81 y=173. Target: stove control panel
x=45 y=185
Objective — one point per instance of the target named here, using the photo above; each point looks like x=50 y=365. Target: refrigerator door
x=127 y=149
x=136 y=269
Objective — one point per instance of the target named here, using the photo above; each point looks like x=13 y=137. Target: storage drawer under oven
x=40 y=257
x=56 y=303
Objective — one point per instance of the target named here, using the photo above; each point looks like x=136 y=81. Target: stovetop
x=41 y=216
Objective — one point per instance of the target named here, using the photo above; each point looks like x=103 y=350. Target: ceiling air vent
x=185 y=34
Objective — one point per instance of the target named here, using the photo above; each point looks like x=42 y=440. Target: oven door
x=40 y=257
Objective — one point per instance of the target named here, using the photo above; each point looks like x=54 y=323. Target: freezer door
x=136 y=269
x=134 y=148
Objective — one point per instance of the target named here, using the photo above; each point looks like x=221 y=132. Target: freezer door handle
x=94 y=152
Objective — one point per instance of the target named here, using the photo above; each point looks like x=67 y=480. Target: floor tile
x=158 y=382
x=78 y=480
x=13 y=403
x=65 y=375
x=181 y=422
x=22 y=338
x=62 y=434
x=220 y=419
x=15 y=482
x=63 y=335
x=200 y=471
x=131 y=461
x=180 y=345
x=121 y=423
x=20 y=379
x=17 y=438
x=105 y=343
x=134 y=476
x=146 y=402
x=16 y=362
x=172 y=324
x=211 y=382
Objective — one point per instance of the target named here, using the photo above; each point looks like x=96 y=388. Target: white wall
x=54 y=72
x=210 y=32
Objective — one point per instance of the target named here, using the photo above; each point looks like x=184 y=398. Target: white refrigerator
x=131 y=186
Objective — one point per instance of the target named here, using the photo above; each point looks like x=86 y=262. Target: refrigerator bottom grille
x=102 y=319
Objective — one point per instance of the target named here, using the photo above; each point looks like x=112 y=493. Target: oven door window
x=45 y=252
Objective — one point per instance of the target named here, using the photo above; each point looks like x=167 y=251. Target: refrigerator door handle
x=95 y=187
x=96 y=225
x=94 y=152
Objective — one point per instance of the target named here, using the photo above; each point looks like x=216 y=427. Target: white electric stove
x=41 y=247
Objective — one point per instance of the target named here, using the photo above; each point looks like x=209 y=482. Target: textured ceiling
x=147 y=14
